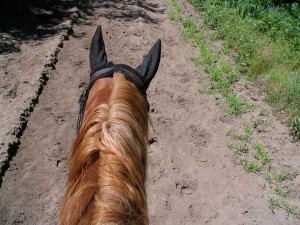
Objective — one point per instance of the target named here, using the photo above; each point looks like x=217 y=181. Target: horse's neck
x=97 y=187
x=81 y=213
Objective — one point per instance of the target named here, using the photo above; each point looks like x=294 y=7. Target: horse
x=107 y=171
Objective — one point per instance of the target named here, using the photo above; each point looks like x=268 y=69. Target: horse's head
x=146 y=70
x=102 y=68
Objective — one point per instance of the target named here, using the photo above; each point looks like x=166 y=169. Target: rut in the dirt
x=193 y=177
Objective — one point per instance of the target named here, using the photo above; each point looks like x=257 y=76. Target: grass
x=280 y=176
x=251 y=166
x=258 y=122
x=248 y=131
x=263 y=112
x=195 y=60
x=172 y=15
x=296 y=126
x=221 y=72
x=277 y=199
x=177 y=6
x=289 y=208
x=244 y=136
x=261 y=154
x=276 y=177
x=242 y=148
x=281 y=191
x=265 y=42
x=274 y=202
x=237 y=105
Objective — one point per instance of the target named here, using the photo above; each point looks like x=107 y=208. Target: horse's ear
x=98 y=57
x=150 y=64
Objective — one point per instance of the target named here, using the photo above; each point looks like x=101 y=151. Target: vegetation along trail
x=217 y=153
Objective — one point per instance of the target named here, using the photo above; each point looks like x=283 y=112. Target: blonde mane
x=106 y=183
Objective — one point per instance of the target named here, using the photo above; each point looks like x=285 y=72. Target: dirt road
x=193 y=176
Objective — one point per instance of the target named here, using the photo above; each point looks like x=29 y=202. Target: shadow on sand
x=38 y=19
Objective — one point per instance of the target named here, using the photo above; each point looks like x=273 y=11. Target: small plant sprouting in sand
x=251 y=166
x=248 y=132
x=258 y=123
x=196 y=60
x=274 y=202
x=237 y=105
x=263 y=112
x=177 y=6
x=289 y=208
x=276 y=177
x=280 y=176
x=245 y=136
x=175 y=15
x=247 y=83
x=242 y=148
x=226 y=67
x=172 y=15
x=281 y=191
x=261 y=154
x=207 y=56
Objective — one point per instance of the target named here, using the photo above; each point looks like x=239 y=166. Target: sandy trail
x=193 y=177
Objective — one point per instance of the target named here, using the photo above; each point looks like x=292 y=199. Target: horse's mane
x=106 y=183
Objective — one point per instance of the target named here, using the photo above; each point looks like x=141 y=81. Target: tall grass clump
x=264 y=38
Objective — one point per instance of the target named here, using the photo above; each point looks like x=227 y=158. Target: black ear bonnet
x=101 y=67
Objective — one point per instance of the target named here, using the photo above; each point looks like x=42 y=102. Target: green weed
x=269 y=177
x=177 y=6
x=258 y=122
x=280 y=176
x=226 y=67
x=207 y=56
x=276 y=177
x=248 y=130
x=296 y=126
x=261 y=154
x=273 y=202
x=251 y=166
x=195 y=60
x=237 y=105
x=263 y=112
x=247 y=83
x=172 y=15
x=242 y=148
x=281 y=191
x=289 y=208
